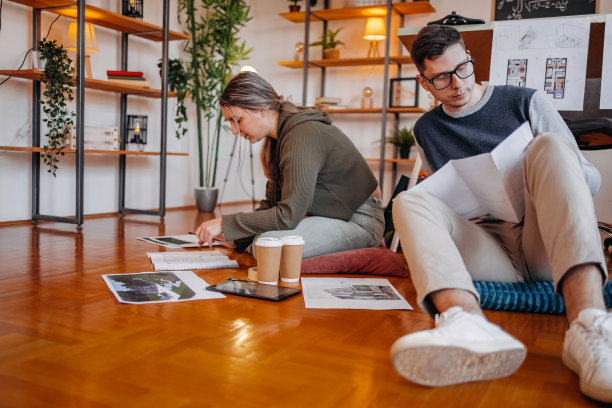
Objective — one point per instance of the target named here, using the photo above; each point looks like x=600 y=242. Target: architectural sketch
x=554 y=79
x=364 y=292
x=517 y=72
x=555 y=50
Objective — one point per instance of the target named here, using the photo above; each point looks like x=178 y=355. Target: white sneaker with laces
x=463 y=347
x=587 y=351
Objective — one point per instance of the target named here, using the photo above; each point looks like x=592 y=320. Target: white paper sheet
x=177 y=261
x=545 y=54
x=605 y=101
x=488 y=183
x=158 y=287
x=352 y=293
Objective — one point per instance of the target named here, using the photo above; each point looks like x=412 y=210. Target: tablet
x=254 y=290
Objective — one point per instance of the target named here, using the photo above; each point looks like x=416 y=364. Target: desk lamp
x=374 y=32
x=91 y=45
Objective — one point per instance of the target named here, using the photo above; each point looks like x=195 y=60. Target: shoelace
x=601 y=338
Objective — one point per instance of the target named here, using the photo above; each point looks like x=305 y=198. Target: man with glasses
x=557 y=239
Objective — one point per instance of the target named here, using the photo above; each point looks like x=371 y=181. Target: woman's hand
x=210 y=231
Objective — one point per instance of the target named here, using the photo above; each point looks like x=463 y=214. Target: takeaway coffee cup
x=291 y=258
x=268 y=259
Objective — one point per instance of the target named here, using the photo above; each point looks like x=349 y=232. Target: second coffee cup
x=268 y=259
x=291 y=259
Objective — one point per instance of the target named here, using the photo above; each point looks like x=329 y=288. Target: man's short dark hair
x=432 y=41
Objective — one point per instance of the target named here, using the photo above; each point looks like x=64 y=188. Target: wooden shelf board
x=90 y=83
x=90 y=151
x=399 y=161
x=346 y=62
x=105 y=18
x=414 y=7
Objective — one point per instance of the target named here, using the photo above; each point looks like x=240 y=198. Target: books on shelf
x=131 y=82
x=135 y=74
x=130 y=78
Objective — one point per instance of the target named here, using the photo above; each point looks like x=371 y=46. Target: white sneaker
x=463 y=347
x=587 y=351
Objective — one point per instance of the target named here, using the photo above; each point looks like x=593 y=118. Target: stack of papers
x=182 y=261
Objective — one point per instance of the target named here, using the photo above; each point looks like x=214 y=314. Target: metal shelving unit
x=78 y=10
x=325 y=15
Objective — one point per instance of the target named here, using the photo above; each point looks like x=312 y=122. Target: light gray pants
x=327 y=235
x=559 y=230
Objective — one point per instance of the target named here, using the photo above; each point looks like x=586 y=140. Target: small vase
x=331 y=53
x=206 y=198
x=294 y=8
x=404 y=152
x=37 y=61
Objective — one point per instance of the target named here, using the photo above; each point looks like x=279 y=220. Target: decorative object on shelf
x=294 y=6
x=299 y=52
x=366 y=100
x=96 y=138
x=177 y=82
x=455 y=19
x=374 y=32
x=137 y=130
x=404 y=93
x=58 y=81
x=206 y=198
x=132 y=8
x=329 y=43
x=403 y=138
x=91 y=45
x=214 y=49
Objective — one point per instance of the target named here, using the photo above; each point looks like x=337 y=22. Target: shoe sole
x=600 y=394
x=436 y=366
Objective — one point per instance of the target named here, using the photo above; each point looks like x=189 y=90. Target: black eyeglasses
x=444 y=79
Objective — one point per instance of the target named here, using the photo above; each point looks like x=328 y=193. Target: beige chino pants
x=559 y=230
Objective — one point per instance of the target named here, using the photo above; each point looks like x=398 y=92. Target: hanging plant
x=58 y=82
x=177 y=82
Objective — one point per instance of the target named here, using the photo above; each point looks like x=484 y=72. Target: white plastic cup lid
x=268 y=242
x=293 y=240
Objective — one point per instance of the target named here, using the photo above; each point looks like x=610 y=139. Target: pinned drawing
x=555 y=52
x=517 y=72
x=554 y=80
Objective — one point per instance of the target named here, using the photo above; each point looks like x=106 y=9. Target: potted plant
x=329 y=43
x=294 y=6
x=58 y=81
x=214 y=48
x=403 y=138
x=177 y=82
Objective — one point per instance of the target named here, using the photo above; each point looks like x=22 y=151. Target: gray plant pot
x=206 y=198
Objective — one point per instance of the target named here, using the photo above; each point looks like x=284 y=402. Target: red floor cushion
x=367 y=261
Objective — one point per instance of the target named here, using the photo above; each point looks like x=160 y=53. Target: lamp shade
x=375 y=29
x=91 y=45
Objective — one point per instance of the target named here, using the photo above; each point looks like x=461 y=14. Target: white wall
x=272 y=38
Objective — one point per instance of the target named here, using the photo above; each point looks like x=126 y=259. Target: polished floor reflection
x=65 y=341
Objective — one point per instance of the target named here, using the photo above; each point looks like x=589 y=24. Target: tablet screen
x=254 y=290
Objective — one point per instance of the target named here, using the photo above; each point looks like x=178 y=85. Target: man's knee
x=409 y=203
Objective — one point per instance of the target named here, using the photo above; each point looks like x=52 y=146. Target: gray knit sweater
x=443 y=136
x=321 y=174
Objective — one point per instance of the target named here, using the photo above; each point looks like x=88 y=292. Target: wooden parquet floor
x=66 y=342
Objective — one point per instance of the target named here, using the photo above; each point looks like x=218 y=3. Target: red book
x=124 y=73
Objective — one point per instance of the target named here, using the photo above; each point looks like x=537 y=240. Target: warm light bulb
x=136 y=129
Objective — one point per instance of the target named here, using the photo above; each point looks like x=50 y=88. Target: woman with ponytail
x=319 y=186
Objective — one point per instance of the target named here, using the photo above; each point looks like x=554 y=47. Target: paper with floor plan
x=352 y=293
x=488 y=183
x=187 y=260
x=158 y=287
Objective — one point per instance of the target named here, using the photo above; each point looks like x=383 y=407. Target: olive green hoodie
x=321 y=174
